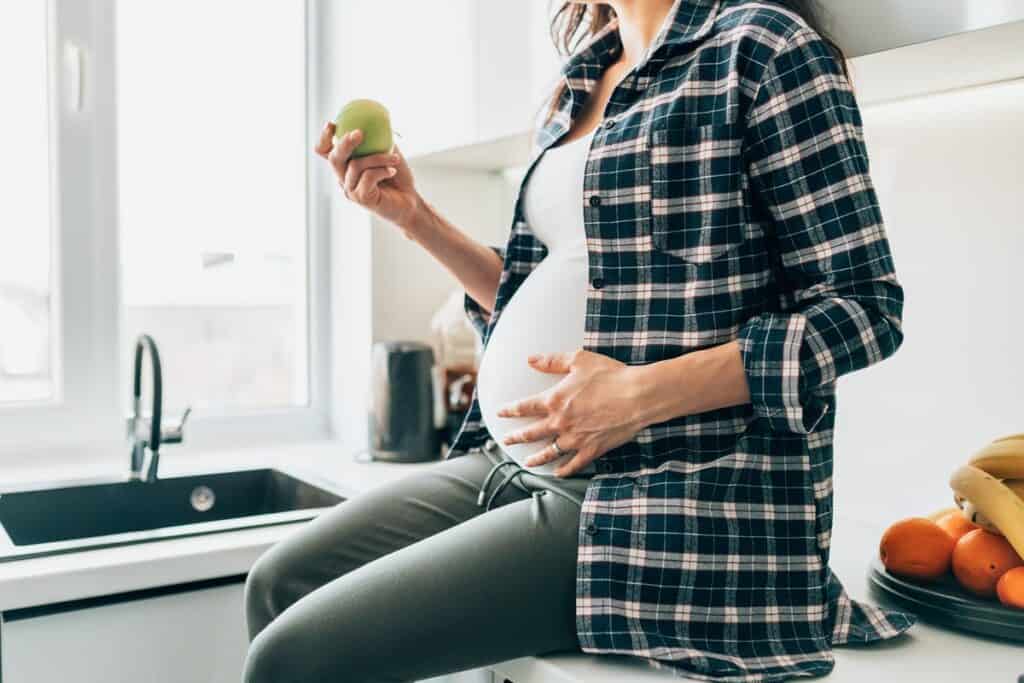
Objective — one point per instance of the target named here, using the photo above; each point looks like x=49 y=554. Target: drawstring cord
x=501 y=487
x=487 y=480
x=482 y=497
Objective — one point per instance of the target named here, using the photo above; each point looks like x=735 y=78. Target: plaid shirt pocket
x=698 y=213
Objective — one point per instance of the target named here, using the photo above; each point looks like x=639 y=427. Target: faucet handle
x=175 y=433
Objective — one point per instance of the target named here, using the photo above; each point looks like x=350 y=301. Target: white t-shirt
x=547 y=312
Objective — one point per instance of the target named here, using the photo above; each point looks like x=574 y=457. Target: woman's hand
x=602 y=403
x=591 y=411
x=381 y=183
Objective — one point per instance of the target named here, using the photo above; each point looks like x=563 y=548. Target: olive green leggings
x=444 y=570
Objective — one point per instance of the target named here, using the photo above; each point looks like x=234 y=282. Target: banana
x=970 y=512
x=996 y=501
x=1003 y=459
x=1011 y=437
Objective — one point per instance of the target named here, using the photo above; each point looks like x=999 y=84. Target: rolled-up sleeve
x=808 y=169
x=479 y=316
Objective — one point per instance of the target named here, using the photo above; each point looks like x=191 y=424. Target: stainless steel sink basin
x=75 y=517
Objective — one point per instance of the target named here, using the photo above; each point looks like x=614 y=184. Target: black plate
x=946 y=603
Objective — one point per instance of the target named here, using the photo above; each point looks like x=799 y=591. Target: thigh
x=497 y=586
x=368 y=526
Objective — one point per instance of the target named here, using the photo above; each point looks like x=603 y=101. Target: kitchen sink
x=68 y=518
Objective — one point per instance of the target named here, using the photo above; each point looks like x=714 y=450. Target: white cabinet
x=517 y=66
x=416 y=58
x=196 y=636
x=451 y=74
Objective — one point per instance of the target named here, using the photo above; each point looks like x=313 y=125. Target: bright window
x=212 y=192
x=154 y=169
x=27 y=368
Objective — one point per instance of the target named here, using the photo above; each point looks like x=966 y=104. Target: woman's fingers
x=342 y=151
x=549 y=454
x=367 y=185
x=357 y=166
x=575 y=464
x=326 y=142
x=559 y=363
x=544 y=457
x=535 y=406
x=535 y=432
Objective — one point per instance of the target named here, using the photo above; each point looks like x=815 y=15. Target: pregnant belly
x=546 y=315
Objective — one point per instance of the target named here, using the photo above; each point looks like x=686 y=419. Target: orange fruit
x=1010 y=588
x=980 y=558
x=955 y=524
x=916 y=548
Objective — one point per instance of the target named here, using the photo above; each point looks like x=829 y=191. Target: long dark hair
x=571 y=16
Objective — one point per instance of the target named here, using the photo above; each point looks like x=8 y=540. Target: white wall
x=408 y=284
x=948 y=170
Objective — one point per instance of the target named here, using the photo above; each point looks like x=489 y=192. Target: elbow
x=894 y=336
x=890 y=314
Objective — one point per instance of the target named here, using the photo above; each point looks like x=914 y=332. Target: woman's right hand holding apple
x=382 y=183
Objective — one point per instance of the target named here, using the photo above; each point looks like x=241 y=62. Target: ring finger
x=549 y=454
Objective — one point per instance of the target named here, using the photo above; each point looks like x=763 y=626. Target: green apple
x=372 y=118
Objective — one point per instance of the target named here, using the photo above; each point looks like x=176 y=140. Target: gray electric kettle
x=404 y=401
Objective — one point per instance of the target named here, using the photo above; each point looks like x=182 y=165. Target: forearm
x=693 y=383
x=476 y=266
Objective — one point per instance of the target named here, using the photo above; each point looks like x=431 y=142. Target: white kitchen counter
x=926 y=654
x=91 y=573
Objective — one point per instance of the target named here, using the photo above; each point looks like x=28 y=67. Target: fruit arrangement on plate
x=964 y=565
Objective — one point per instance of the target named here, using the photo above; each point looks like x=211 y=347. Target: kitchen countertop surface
x=927 y=653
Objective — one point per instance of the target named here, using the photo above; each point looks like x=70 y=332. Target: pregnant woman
x=697 y=255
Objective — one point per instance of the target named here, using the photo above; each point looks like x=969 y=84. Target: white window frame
x=85 y=416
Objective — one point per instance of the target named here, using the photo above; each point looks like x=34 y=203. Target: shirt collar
x=686 y=21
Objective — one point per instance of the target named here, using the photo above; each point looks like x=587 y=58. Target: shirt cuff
x=477 y=315
x=770 y=346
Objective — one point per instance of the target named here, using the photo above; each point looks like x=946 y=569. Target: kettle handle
x=437 y=376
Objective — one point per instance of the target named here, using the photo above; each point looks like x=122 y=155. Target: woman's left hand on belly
x=594 y=409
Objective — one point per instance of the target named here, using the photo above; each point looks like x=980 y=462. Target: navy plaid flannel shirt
x=726 y=196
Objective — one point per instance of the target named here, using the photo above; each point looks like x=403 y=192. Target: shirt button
x=639 y=481
x=598 y=282
x=595 y=200
x=591 y=529
x=604 y=466
x=609 y=123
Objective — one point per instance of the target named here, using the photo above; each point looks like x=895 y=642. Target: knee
x=293 y=649
x=268 y=658
x=259 y=660
x=263 y=591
